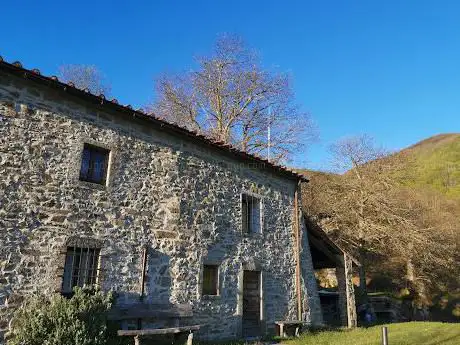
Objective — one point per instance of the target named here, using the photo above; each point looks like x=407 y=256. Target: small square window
x=80 y=269
x=250 y=214
x=210 y=280
x=94 y=164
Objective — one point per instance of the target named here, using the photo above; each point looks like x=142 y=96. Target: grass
x=416 y=333
x=436 y=164
x=408 y=333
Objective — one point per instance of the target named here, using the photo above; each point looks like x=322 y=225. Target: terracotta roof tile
x=16 y=67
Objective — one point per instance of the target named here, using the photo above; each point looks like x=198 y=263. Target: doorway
x=251 y=304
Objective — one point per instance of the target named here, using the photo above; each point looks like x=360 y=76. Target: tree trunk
x=416 y=286
x=410 y=283
x=410 y=274
x=362 y=275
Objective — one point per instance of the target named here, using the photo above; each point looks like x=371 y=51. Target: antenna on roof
x=268 y=133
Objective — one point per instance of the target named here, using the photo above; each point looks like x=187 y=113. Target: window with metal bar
x=250 y=214
x=81 y=268
x=211 y=280
x=94 y=164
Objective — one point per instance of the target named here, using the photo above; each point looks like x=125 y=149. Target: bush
x=56 y=320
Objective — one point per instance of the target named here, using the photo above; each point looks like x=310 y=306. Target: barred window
x=251 y=214
x=94 y=164
x=81 y=268
x=211 y=280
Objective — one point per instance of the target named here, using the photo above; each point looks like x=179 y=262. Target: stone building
x=93 y=192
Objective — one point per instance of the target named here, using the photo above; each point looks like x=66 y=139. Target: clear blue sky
x=387 y=68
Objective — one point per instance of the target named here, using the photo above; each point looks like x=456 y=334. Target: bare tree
x=371 y=213
x=232 y=99
x=85 y=77
x=426 y=237
x=364 y=195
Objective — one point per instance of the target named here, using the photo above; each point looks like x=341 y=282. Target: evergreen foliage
x=56 y=320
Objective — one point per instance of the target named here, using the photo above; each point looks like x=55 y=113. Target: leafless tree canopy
x=85 y=77
x=232 y=99
x=353 y=152
x=371 y=213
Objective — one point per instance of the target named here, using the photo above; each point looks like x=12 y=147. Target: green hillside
x=434 y=163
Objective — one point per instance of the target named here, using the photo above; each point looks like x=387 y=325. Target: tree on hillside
x=371 y=214
x=363 y=192
x=85 y=77
x=231 y=98
x=428 y=240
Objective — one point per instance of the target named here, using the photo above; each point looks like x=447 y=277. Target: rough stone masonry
x=177 y=196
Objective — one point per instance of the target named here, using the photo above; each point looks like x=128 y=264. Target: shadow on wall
x=153 y=309
x=158 y=278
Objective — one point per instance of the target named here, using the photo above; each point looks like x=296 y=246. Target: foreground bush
x=56 y=320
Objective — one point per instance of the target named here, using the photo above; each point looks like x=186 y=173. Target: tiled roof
x=53 y=82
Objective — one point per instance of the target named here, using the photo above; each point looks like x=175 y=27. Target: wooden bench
x=284 y=325
x=144 y=333
x=170 y=313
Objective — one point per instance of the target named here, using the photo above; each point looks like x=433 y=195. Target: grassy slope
x=435 y=163
x=427 y=333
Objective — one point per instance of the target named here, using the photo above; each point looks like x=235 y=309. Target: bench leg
x=297 y=333
x=282 y=333
x=137 y=340
x=190 y=339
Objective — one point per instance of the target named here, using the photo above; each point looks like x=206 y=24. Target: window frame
x=107 y=154
x=216 y=268
x=250 y=224
x=82 y=273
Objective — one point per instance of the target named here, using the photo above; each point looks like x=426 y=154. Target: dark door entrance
x=330 y=307
x=251 y=303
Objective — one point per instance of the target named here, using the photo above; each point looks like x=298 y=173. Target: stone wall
x=311 y=302
x=346 y=292
x=179 y=198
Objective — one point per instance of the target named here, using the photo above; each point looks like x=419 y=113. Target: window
x=250 y=214
x=210 y=280
x=81 y=268
x=94 y=164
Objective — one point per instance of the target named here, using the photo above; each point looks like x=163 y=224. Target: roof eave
x=100 y=100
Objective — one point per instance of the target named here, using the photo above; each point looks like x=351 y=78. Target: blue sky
x=390 y=69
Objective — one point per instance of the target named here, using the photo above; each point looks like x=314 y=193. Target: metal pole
x=142 y=295
x=384 y=335
x=144 y=268
x=268 y=134
x=297 y=253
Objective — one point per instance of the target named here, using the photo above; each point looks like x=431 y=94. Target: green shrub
x=56 y=320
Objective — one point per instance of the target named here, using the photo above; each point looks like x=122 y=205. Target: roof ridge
x=17 y=67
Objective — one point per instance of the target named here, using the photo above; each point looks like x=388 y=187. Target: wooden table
x=140 y=334
x=285 y=324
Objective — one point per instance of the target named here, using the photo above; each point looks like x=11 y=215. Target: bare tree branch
x=373 y=214
x=85 y=77
x=232 y=99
